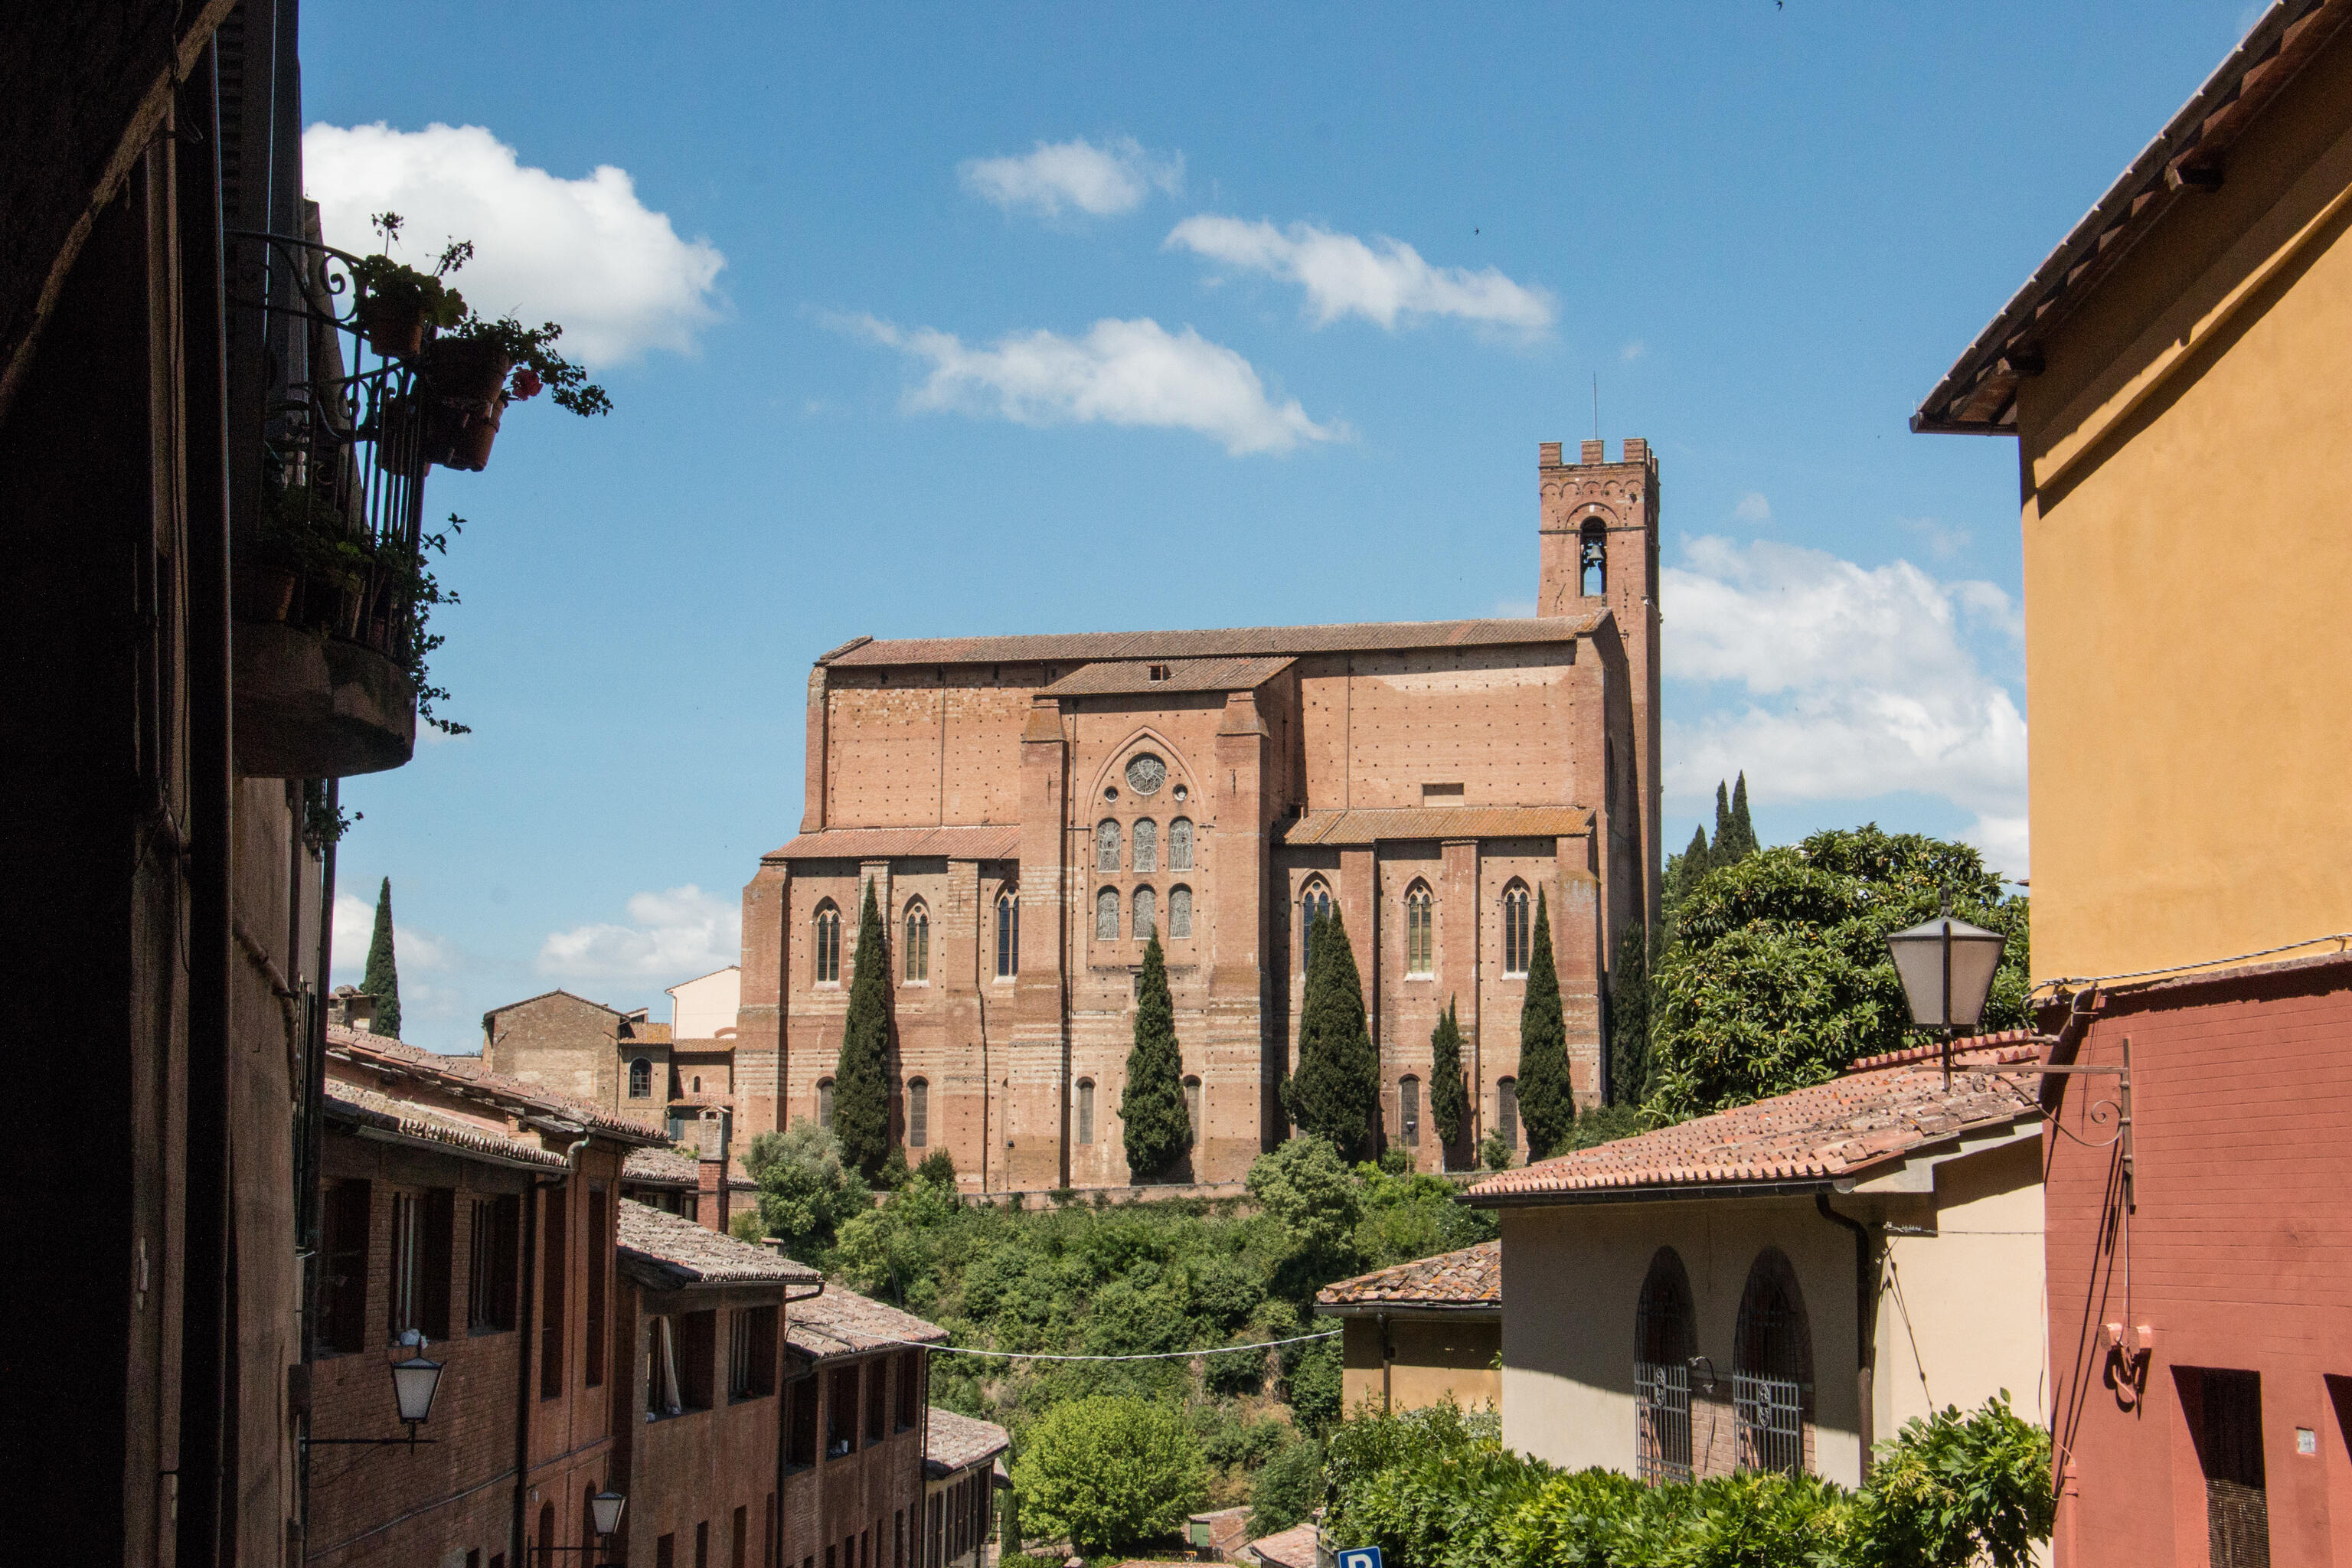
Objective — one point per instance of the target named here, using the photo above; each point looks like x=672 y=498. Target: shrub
x=806 y=1191
x=1495 y=1152
x=746 y=1226
x=1953 y=1490
x=1108 y=1473
x=1288 y=1487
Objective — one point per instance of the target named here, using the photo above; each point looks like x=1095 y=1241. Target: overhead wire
x=1146 y=1355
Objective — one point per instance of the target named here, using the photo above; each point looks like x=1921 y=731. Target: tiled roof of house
x=671 y=1167
x=1120 y=676
x=1292 y=1548
x=986 y=841
x=1228 y=642
x=666 y=1252
x=467 y=1076
x=956 y=1442
x=542 y=997
x=1821 y=1134
x=843 y=1322
x=645 y=1034
x=1361 y=827
x=370 y=1109
x=1472 y=1277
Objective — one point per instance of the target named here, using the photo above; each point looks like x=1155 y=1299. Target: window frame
x=1506 y=1109
x=824 y=963
x=916 y=947
x=1107 y=903
x=1180 y=843
x=1084 y=1116
x=641 y=1078
x=1409 y=1109
x=1315 y=902
x=1519 y=928
x=1420 y=931
x=1143 y=846
x=1008 y=933
x=919 y=1112
x=1142 y=913
x=1180 y=896
x=824 y=1103
x=1109 y=846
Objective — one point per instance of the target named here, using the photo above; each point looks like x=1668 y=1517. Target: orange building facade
x=1029 y=810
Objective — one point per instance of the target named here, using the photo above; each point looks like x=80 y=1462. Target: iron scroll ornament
x=1146 y=773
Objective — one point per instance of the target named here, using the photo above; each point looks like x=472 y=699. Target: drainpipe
x=1388 y=1355
x=1865 y=1322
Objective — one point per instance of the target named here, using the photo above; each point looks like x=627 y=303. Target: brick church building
x=1030 y=809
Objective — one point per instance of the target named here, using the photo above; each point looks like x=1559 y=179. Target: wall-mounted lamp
x=413 y=1384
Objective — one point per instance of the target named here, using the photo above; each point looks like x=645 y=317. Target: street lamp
x=1947 y=968
x=605 y=1511
x=413 y=1384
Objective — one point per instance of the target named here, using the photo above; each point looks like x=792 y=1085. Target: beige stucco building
x=1779 y=1286
x=1421 y=1332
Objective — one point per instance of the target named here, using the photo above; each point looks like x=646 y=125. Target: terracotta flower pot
x=396 y=328
x=469 y=445
x=262 y=593
x=463 y=370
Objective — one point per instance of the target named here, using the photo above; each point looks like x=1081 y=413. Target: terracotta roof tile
x=1230 y=642
x=954 y=1442
x=987 y=841
x=466 y=1074
x=668 y=1252
x=1814 y=1135
x=1292 y=1548
x=1119 y=677
x=1470 y=1278
x=843 y=1322
x=1358 y=827
x=366 y=1108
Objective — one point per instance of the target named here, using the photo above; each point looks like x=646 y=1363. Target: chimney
x=710 y=1205
x=351 y=1008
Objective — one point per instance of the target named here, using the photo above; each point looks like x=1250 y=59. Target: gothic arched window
x=1314 y=907
x=1107 y=915
x=1106 y=846
x=1409 y=1108
x=1180 y=845
x=1180 y=912
x=641 y=1080
x=919 y=1113
x=1772 y=1368
x=1146 y=837
x=1518 y=941
x=917 y=945
x=824 y=1103
x=1008 y=934
x=1420 y=931
x=1593 y=560
x=827 y=935
x=1143 y=919
x=1507 y=1111
x=1665 y=1337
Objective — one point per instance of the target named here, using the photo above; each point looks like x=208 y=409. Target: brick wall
x=840 y=1502
x=559 y=1042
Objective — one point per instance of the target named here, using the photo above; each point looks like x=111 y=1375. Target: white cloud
x=1635 y=350
x=1753 y=508
x=1379 y=281
x=1103 y=181
x=675 y=934
x=1121 y=373
x=1944 y=542
x=586 y=253
x=1851 y=682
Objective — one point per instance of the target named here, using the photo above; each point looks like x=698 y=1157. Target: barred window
x=1420 y=931
x=1192 y=1106
x=1517 y=940
x=1180 y=845
x=1665 y=1341
x=1773 y=1376
x=1507 y=1111
x=824 y=1103
x=1180 y=910
x=1106 y=846
x=1409 y=1108
x=1107 y=915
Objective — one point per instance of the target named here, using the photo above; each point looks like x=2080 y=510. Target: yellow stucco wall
x=2187 y=527
x=1435 y=1359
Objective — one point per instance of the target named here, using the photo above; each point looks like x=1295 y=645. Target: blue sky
x=1053 y=318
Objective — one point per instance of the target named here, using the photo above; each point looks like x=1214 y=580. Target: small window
x=490 y=1278
x=1192 y=1106
x=800 y=1423
x=1147 y=845
x=697 y=1083
x=662 y=1396
x=919 y=1114
x=407 y=1262
x=917 y=945
x=641 y=1080
x=824 y=1103
x=878 y=1401
x=1517 y=940
x=827 y=944
x=598 y=1255
x=1409 y=1109
x=751 y=1352
x=1106 y=846
x=841 y=1412
x=1159 y=672
x=910 y=1389
x=2229 y=1435
x=1180 y=845
x=1507 y=1111
x=698 y=1352
x=1086 y=1110
x=1008 y=934
x=553 y=1278
x=1107 y=915
x=1314 y=907
x=1420 y=931
x=1180 y=910
x=1144 y=920
x=343 y=1248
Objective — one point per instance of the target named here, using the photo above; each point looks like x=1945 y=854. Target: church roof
x=1361 y=827
x=1119 y=677
x=985 y=841
x=1230 y=642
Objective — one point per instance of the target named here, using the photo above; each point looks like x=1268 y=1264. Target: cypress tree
x=1449 y=1100
x=1683 y=872
x=1546 y=1099
x=861 y=1075
x=1336 y=1093
x=1723 y=854
x=1629 y=1018
x=1153 y=1119
x=1737 y=841
x=382 y=980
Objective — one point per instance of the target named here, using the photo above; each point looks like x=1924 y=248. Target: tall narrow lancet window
x=1180 y=845
x=1665 y=1337
x=1772 y=1369
x=917 y=945
x=1008 y=934
x=1106 y=846
x=1086 y=1110
x=1409 y=1108
x=1507 y=1111
x=825 y=939
x=824 y=1103
x=1593 y=561
x=1192 y=1106
x=1107 y=915
x=641 y=1080
x=1180 y=912
x=1144 y=918
x=1314 y=906
x=1146 y=837
x=919 y=1113
x=1517 y=938
x=1420 y=931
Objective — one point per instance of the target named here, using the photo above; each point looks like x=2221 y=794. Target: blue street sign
x=1360 y=1557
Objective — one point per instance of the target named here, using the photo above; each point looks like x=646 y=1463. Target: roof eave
x=1685 y=1192
x=1449 y=1310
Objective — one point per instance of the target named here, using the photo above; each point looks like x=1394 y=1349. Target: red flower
x=527 y=385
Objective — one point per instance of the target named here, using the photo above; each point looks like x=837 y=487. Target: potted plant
x=480 y=366
x=396 y=302
x=292 y=541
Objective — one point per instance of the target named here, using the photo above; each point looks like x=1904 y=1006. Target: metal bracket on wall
x=2101 y=1112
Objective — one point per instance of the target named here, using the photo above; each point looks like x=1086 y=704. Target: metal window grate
x=1769 y=1413
x=2237 y=1502
x=1662 y=1412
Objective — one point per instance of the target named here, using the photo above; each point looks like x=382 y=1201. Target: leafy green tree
x=1306 y=1191
x=1288 y=1487
x=1312 y=1383
x=1779 y=975
x=1953 y=1490
x=1495 y=1150
x=938 y=1169
x=806 y=1190
x=1153 y=1122
x=861 y=1074
x=1449 y=1096
x=745 y=1225
x=1336 y=1093
x=1629 y=1017
x=382 y=979
x=1108 y=1473
x=1547 y=1098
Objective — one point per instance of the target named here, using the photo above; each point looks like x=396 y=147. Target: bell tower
x=1598 y=530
